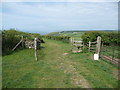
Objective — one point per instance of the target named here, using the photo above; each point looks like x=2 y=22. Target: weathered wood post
x=70 y=40
x=98 y=45
x=22 y=42
x=35 y=48
x=89 y=45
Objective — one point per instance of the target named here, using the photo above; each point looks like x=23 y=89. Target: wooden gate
x=95 y=46
x=77 y=46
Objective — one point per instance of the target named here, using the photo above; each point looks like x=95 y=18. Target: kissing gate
x=77 y=46
x=96 y=47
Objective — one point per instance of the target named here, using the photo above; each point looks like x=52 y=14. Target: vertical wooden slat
x=98 y=45
x=22 y=42
x=89 y=45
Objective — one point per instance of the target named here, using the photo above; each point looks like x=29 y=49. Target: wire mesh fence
x=110 y=53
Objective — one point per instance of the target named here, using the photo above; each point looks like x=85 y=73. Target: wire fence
x=107 y=51
x=110 y=53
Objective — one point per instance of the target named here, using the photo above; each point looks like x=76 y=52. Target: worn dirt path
x=57 y=58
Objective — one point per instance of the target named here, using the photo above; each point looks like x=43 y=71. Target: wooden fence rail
x=76 y=45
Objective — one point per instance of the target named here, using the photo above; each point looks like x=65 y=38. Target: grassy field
x=57 y=67
x=76 y=35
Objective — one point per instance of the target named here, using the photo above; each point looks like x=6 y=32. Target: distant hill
x=76 y=34
x=111 y=30
x=67 y=33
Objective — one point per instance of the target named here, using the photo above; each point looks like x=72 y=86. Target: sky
x=44 y=17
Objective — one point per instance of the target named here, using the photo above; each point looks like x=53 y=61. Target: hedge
x=11 y=37
x=107 y=37
x=58 y=38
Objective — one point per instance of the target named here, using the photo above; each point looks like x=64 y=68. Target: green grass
x=76 y=35
x=55 y=70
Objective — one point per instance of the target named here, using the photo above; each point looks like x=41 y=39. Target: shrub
x=11 y=37
x=59 y=38
x=107 y=37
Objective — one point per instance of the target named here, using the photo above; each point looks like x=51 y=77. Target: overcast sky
x=43 y=17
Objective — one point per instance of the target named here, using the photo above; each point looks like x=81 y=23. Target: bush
x=107 y=37
x=11 y=37
x=9 y=40
x=59 y=38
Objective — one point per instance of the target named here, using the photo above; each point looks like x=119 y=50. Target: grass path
x=54 y=69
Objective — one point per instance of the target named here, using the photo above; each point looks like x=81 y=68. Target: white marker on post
x=96 y=57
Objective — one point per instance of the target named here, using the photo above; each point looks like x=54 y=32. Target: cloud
x=55 y=16
x=60 y=0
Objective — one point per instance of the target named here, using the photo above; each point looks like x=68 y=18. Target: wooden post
x=35 y=48
x=22 y=42
x=98 y=45
x=36 y=55
x=89 y=45
x=71 y=40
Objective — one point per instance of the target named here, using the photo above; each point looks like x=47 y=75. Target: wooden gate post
x=35 y=47
x=22 y=42
x=71 y=40
x=89 y=45
x=98 y=45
